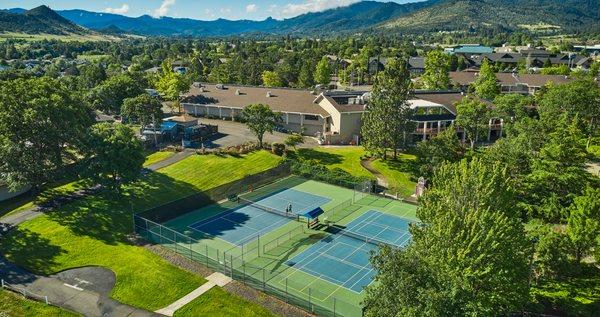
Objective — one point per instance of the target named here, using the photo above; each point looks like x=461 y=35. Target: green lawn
x=95 y=230
x=157 y=157
x=346 y=158
x=398 y=173
x=27 y=201
x=217 y=302
x=15 y=305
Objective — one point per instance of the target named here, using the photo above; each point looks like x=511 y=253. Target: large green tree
x=444 y=147
x=387 y=121
x=323 y=72
x=260 y=119
x=584 y=222
x=271 y=79
x=143 y=109
x=114 y=155
x=42 y=128
x=469 y=256
x=437 y=70
x=486 y=85
x=473 y=116
x=579 y=99
x=171 y=84
x=109 y=95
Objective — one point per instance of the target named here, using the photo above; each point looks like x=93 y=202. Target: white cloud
x=225 y=10
x=209 y=14
x=293 y=9
x=164 y=8
x=122 y=10
x=251 y=8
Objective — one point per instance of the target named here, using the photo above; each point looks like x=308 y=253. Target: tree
x=171 y=84
x=323 y=72
x=305 y=78
x=511 y=107
x=109 y=95
x=557 y=173
x=91 y=76
x=144 y=109
x=580 y=98
x=42 y=128
x=387 y=121
x=437 y=68
x=293 y=140
x=469 y=255
x=551 y=249
x=472 y=116
x=271 y=79
x=114 y=155
x=486 y=85
x=584 y=222
x=444 y=147
x=260 y=119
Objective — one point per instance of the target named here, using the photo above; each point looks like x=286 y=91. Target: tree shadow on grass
x=319 y=157
x=108 y=216
x=29 y=250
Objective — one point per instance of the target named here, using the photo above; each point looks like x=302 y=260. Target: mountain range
x=364 y=16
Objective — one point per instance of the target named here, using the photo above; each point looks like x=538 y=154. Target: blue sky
x=197 y=9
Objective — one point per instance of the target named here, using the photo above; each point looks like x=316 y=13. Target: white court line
x=73 y=286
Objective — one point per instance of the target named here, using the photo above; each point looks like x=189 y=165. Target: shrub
x=278 y=148
x=319 y=172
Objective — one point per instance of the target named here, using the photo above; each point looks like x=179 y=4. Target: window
x=311 y=117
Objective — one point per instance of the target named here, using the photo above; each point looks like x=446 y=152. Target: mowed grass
x=27 y=201
x=96 y=230
x=398 y=173
x=157 y=157
x=217 y=302
x=15 y=305
x=346 y=158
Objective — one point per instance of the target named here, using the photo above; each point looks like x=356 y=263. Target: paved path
x=83 y=290
x=381 y=180
x=171 y=159
x=215 y=279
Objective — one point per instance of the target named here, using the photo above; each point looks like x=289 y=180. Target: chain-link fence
x=271 y=280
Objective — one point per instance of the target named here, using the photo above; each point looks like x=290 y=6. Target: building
x=531 y=58
x=333 y=117
x=416 y=65
x=469 y=49
x=526 y=84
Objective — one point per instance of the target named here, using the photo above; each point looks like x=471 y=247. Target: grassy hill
x=452 y=15
x=38 y=20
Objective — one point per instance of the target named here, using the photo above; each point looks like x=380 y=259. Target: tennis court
x=256 y=218
x=343 y=258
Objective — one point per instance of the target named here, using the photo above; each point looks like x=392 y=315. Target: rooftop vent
x=237 y=92
x=269 y=94
x=220 y=86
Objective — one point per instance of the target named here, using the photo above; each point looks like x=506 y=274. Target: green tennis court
x=266 y=259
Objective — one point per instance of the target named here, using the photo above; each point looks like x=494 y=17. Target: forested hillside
x=38 y=20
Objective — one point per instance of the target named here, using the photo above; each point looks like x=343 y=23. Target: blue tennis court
x=244 y=223
x=344 y=260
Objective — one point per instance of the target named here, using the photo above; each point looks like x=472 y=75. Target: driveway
x=83 y=290
x=235 y=133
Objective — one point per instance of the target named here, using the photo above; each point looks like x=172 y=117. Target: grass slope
x=398 y=173
x=346 y=158
x=95 y=230
x=157 y=157
x=16 y=306
x=217 y=302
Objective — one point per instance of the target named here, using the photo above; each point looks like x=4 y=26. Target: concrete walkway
x=171 y=160
x=83 y=290
x=215 y=279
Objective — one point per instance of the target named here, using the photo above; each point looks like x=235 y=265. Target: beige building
x=333 y=117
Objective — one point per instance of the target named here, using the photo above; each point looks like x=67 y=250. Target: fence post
x=206 y=254
x=160 y=234
x=258 y=242
x=286 y=290
x=46 y=298
x=334 y=306
x=309 y=301
x=263 y=272
x=2 y=281
x=231 y=263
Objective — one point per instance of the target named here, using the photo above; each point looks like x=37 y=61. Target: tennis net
x=361 y=237
x=248 y=202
